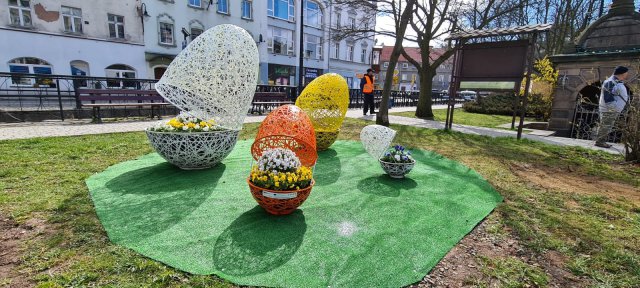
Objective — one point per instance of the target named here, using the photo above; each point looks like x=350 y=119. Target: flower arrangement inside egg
x=396 y=162
x=285 y=152
x=325 y=100
x=212 y=81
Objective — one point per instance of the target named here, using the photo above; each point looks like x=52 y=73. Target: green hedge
x=502 y=104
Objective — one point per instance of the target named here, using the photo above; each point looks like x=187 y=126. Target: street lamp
x=142 y=11
x=301 y=54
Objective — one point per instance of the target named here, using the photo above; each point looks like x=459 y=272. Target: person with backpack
x=613 y=99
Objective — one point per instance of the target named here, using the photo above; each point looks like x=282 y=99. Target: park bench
x=98 y=98
x=265 y=101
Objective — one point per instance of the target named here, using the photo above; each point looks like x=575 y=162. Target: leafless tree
x=401 y=12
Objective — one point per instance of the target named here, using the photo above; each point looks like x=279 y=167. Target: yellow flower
x=191 y=125
x=203 y=124
x=277 y=184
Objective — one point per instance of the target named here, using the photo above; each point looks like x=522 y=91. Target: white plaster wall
x=60 y=51
x=183 y=15
x=94 y=12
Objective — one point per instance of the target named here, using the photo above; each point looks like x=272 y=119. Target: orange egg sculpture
x=325 y=100
x=288 y=127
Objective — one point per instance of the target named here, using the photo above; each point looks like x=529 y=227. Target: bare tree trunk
x=383 y=113
x=425 y=101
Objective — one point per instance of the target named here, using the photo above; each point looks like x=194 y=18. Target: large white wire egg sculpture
x=213 y=78
x=376 y=139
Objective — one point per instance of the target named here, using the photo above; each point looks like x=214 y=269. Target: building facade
x=140 y=38
x=71 y=37
x=351 y=56
x=170 y=25
x=406 y=76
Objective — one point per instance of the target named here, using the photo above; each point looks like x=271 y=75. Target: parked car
x=468 y=95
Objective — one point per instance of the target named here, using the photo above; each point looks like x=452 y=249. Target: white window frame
x=318 y=46
x=385 y=65
x=72 y=19
x=119 y=74
x=191 y=36
x=28 y=82
x=195 y=3
x=352 y=23
x=250 y=5
x=308 y=11
x=291 y=10
x=289 y=46
x=363 y=55
x=227 y=6
x=350 y=48
x=404 y=77
x=115 y=24
x=22 y=11
x=173 y=32
x=338 y=16
x=405 y=65
x=335 y=51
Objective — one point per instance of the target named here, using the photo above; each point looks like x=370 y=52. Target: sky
x=385 y=23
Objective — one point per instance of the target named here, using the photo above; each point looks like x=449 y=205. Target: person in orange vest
x=366 y=86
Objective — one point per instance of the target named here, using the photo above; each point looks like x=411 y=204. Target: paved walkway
x=83 y=127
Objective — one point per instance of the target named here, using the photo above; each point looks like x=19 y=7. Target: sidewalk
x=83 y=127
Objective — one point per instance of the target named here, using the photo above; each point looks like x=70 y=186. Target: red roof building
x=407 y=74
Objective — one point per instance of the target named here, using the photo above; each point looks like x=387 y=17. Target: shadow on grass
x=384 y=185
x=144 y=202
x=329 y=167
x=257 y=242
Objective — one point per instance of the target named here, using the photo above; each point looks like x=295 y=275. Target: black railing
x=586 y=123
x=53 y=96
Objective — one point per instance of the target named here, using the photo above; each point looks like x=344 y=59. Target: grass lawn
x=465 y=118
x=581 y=206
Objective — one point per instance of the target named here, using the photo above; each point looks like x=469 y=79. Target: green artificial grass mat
x=358 y=227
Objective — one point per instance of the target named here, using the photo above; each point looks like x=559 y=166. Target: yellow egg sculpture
x=325 y=100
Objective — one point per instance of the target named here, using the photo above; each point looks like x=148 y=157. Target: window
x=30 y=65
x=352 y=23
x=116 y=26
x=313 y=47
x=313 y=14
x=349 y=52
x=404 y=77
x=166 y=33
x=195 y=32
x=283 y=9
x=338 y=16
x=363 y=55
x=120 y=71
x=72 y=19
x=79 y=68
x=349 y=81
x=335 y=52
x=246 y=9
x=280 y=41
x=195 y=3
x=20 y=12
x=223 y=6
x=405 y=65
x=386 y=64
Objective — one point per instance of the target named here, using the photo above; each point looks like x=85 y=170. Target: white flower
x=197 y=126
x=397 y=157
x=185 y=128
x=205 y=129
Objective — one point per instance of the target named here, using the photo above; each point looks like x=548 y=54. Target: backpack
x=607 y=91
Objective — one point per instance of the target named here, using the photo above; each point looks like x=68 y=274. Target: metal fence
x=586 y=123
x=53 y=96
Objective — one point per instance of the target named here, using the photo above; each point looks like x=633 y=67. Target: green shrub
x=502 y=104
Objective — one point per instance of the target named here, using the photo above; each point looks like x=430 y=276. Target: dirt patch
x=572 y=182
x=460 y=267
x=12 y=236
